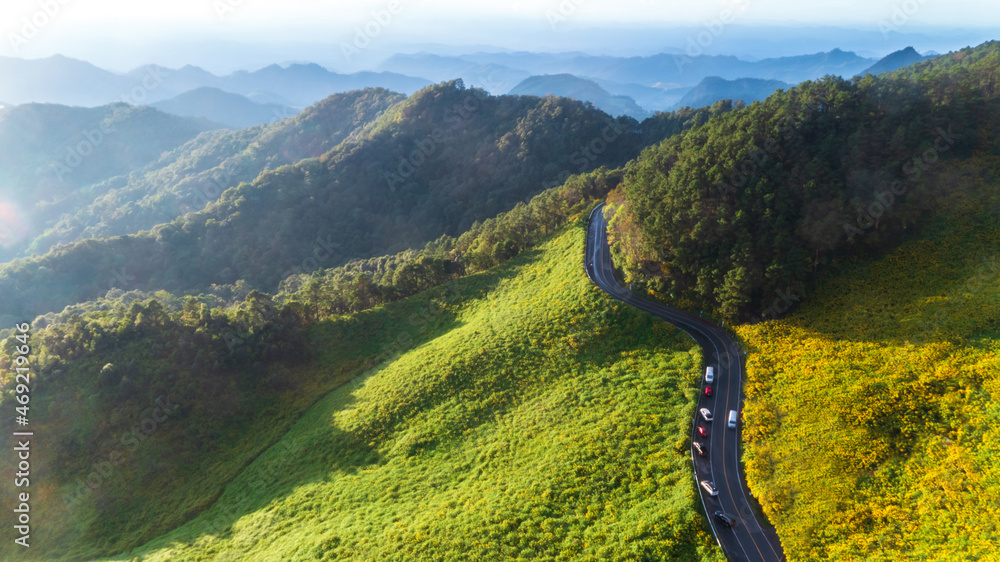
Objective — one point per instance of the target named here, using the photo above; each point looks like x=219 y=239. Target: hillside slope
x=727 y=216
x=512 y=414
x=431 y=165
x=570 y=86
x=50 y=153
x=746 y=90
x=544 y=422
x=196 y=173
x=896 y=364
x=232 y=110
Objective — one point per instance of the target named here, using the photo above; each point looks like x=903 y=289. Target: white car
x=710 y=488
x=705 y=414
x=709 y=375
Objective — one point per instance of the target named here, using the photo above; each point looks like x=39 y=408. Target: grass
x=872 y=411
x=539 y=420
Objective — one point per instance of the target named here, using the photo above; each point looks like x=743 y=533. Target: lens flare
x=13 y=225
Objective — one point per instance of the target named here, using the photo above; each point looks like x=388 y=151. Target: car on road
x=708 y=390
x=702 y=431
x=699 y=448
x=724 y=518
x=709 y=375
x=732 y=419
x=710 y=488
x=705 y=414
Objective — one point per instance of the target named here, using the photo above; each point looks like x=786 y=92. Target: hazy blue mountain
x=67 y=81
x=897 y=60
x=713 y=89
x=649 y=98
x=569 y=86
x=436 y=68
x=50 y=154
x=158 y=83
x=59 y=79
x=305 y=84
x=668 y=71
x=494 y=78
x=229 y=109
x=268 y=97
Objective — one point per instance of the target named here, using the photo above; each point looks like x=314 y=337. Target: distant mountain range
x=50 y=152
x=655 y=83
x=569 y=86
x=634 y=86
x=67 y=81
x=897 y=60
x=233 y=110
x=713 y=89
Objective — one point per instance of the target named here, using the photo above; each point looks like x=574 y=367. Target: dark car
x=725 y=518
x=708 y=390
x=702 y=431
x=699 y=449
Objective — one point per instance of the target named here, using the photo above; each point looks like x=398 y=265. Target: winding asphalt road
x=751 y=538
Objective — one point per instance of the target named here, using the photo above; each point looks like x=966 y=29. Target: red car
x=708 y=390
x=702 y=431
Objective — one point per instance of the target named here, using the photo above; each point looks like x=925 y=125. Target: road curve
x=752 y=538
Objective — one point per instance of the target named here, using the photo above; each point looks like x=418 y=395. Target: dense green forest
x=196 y=173
x=730 y=215
x=431 y=165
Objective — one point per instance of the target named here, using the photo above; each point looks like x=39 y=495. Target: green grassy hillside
x=873 y=411
x=541 y=420
x=240 y=369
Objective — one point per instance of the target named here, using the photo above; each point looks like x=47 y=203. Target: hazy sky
x=123 y=30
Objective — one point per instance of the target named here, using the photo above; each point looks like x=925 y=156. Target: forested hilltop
x=730 y=216
x=191 y=176
x=430 y=165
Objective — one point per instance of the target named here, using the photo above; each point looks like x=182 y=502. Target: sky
x=122 y=34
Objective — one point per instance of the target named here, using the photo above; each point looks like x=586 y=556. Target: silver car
x=710 y=488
